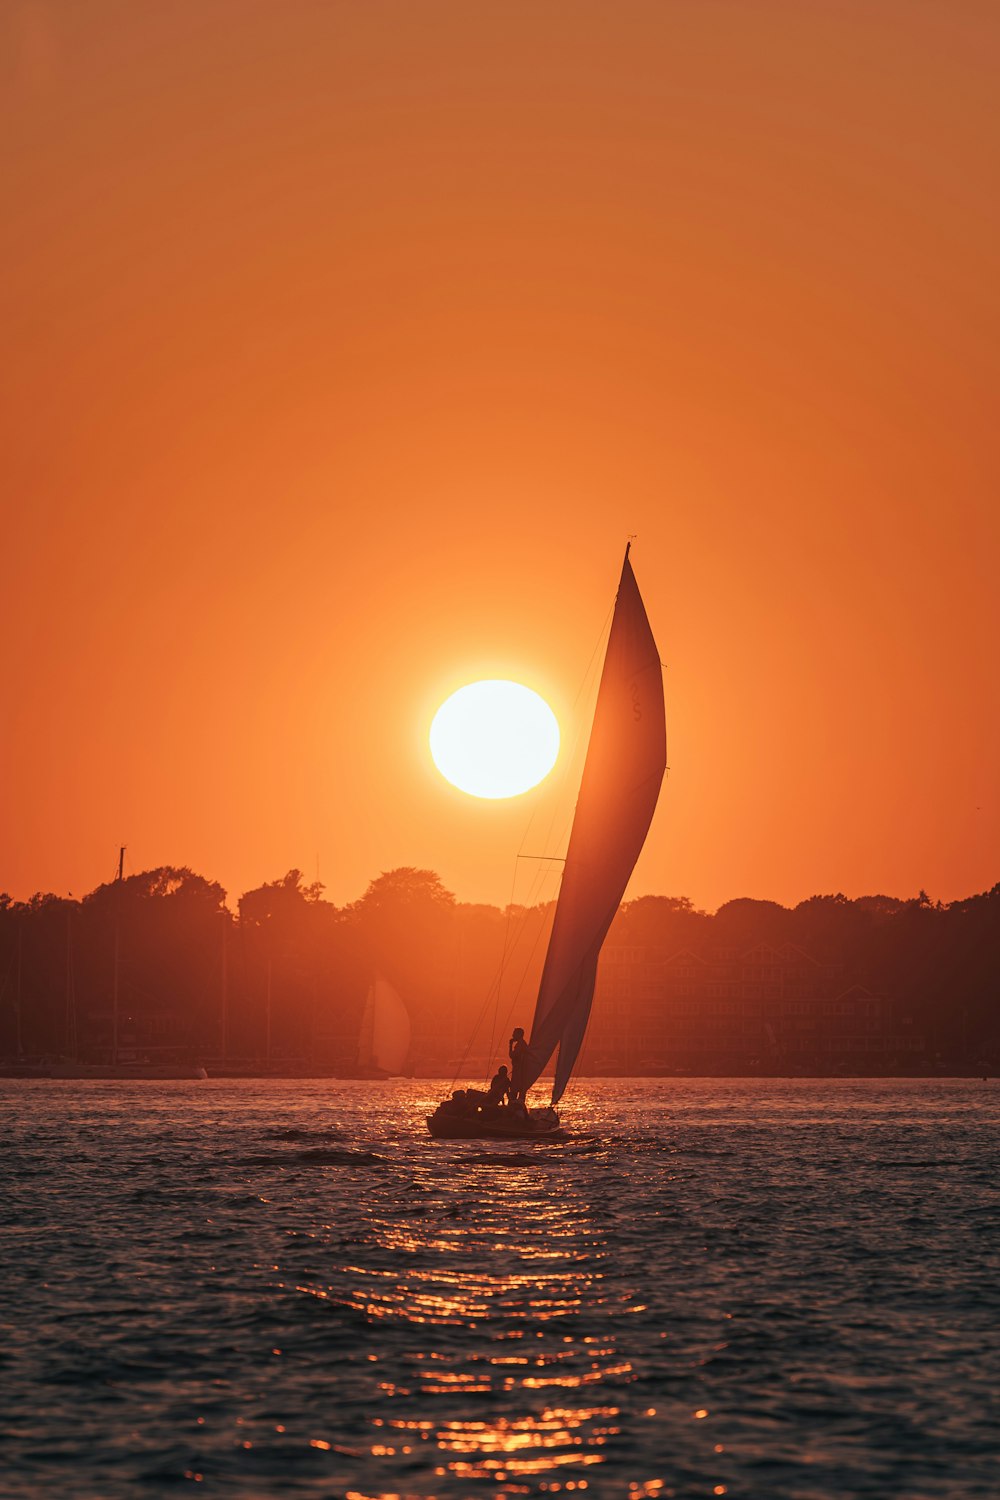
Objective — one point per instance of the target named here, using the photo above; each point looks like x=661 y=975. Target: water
x=752 y=1288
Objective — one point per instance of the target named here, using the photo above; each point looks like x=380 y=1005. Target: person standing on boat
x=518 y=1052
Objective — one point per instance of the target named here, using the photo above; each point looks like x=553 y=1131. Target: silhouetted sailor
x=518 y=1051
x=499 y=1085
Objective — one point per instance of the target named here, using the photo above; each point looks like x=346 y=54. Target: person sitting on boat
x=499 y=1086
x=518 y=1051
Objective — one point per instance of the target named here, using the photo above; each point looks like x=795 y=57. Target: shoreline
x=28 y=1074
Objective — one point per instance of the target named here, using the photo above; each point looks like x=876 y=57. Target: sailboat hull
x=541 y=1124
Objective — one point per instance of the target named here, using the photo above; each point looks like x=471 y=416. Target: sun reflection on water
x=509 y=1266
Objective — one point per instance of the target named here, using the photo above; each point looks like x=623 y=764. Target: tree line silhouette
x=279 y=983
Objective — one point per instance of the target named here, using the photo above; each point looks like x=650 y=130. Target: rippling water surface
x=750 y=1288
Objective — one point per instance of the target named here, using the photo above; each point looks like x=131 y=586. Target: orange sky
x=347 y=342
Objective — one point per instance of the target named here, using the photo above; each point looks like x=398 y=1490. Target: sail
x=626 y=759
x=385 y=1029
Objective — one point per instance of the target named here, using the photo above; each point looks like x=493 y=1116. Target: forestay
x=626 y=759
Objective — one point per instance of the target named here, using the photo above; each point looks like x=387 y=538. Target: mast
x=224 y=997
x=70 y=988
x=118 y=926
x=267 y=1017
x=20 y=966
x=366 y=1036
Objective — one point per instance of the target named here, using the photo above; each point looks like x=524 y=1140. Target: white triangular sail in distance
x=626 y=759
x=385 y=1029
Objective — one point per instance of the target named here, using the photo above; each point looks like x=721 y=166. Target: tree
x=404 y=889
x=671 y=922
x=743 y=922
x=290 y=965
x=166 y=927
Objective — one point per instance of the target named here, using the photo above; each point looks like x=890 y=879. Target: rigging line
x=584 y=687
x=495 y=982
x=534 y=891
x=569 y=758
x=543 y=926
x=508 y=952
x=568 y=763
x=503 y=952
x=535 y=888
x=475 y=1030
x=579 y=693
x=533 y=905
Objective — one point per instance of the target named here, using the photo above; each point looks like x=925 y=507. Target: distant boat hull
x=541 y=1124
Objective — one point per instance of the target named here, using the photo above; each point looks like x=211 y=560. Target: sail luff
x=624 y=766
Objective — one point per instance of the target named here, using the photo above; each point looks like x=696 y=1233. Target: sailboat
x=622 y=773
x=384 y=1044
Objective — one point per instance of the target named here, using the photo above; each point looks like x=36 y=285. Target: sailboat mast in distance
x=626 y=759
x=118 y=939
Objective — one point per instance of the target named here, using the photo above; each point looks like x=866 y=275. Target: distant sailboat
x=626 y=759
x=384 y=1044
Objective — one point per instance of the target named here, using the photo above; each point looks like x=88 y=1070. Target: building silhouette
x=760 y=1009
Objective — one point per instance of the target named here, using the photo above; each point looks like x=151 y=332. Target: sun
x=494 y=739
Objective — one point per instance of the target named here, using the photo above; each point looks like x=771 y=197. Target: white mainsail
x=626 y=759
x=385 y=1029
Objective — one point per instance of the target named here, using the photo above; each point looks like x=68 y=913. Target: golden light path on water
x=499 y=1297
x=557 y=1253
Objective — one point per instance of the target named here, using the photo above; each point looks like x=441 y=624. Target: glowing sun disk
x=494 y=739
